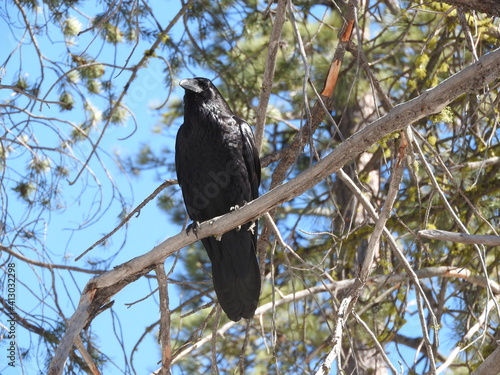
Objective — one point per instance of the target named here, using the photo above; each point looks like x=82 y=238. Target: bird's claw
x=237 y=207
x=193 y=227
x=252 y=227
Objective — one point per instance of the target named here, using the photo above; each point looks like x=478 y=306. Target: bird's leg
x=193 y=227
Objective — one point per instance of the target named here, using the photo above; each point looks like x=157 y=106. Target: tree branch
x=267 y=79
x=164 y=335
x=436 y=234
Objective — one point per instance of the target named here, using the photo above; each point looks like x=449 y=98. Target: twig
x=476 y=164
x=157 y=191
x=452 y=213
x=373 y=243
x=48 y=265
x=23 y=92
x=241 y=362
x=215 y=327
x=375 y=342
x=390 y=240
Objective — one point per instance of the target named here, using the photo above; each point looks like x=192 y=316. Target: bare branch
x=48 y=265
x=267 y=80
x=164 y=336
x=476 y=164
x=136 y=210
x=334 y=353
x=436 y=234
x=86 y=356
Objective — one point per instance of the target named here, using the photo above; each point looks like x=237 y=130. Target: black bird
x=218 y=170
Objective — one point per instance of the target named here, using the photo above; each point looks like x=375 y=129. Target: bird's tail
x=235 y=272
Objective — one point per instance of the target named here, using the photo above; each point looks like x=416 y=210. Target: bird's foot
x=252 y=227
x=193 y=227
x=237 y=207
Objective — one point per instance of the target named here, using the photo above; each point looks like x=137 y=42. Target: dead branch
x=436 y=234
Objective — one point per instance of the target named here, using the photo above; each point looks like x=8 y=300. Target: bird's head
x=199 y=87
x=196 y=85
x=202 y=95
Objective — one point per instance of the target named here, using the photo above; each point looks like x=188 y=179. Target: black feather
x=218 y=168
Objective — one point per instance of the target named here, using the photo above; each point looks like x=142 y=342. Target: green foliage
x=67 y=101
x=25 y=190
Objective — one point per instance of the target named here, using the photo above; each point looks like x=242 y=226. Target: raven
x=218 y=170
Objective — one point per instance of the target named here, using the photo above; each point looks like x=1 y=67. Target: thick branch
x=101 y=288
x=491 y=364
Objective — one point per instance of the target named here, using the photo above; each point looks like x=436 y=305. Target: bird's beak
x=191 y=85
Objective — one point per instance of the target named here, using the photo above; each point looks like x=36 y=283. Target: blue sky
x=62 y=241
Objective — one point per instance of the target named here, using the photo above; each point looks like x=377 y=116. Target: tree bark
x=491 y=364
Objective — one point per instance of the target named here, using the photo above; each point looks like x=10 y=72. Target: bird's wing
x=250 y=155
